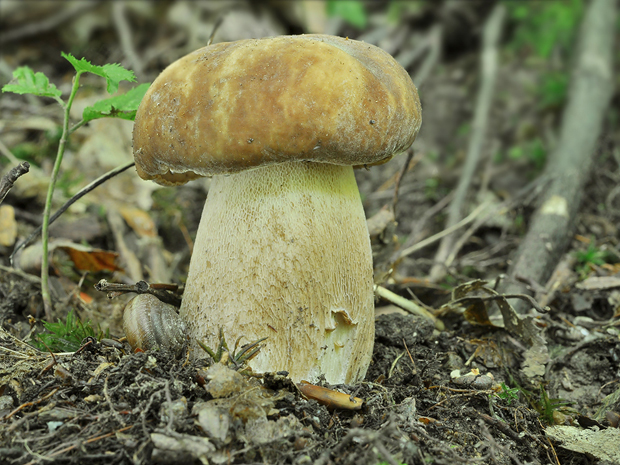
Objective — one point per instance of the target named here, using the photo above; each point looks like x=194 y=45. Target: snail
x=152 y=324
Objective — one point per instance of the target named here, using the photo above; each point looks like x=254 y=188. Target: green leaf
x=29 y=82
x=120 y=106
x=351 y=11
x=113 y=73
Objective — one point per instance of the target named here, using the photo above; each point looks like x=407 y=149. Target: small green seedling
x=546 y=406
x=125 y=106
x=67 y=336
x=591 y=256
x=508 y=394
x=533 y=151
x=247 y=352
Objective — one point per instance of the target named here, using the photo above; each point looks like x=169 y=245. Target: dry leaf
x=84 y=258
x=477 y=314
x=603 y=445
x=8 y=226
x=521 y=326
x=599 y=283
x=139 y=220
x=89 y=259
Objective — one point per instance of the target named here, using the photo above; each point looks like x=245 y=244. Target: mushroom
x=282 y=250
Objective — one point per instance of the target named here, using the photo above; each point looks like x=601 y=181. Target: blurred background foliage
x=539 y=35
x=545 y=26
x=438 y=42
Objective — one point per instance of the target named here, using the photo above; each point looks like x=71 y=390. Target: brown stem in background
x=400 y=178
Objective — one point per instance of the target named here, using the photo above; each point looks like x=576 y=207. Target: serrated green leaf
x=29 y=82
x=113 y=73
x=120 y=106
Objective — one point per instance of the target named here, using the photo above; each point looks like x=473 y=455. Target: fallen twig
x=108 y=399
x=360 y=437
x=51 y=22
x=435 y=42
x=568 y=167
x=417 y=226
x=88 y=441
x=164 y=292
x=493 y=444
x=22 y=274
x=408 y=305
x=123 y=29
x=491 y=36
x=30 y=404
x=434 y=238
x=216 y=26
x=527 y=298
x=399 y=180
x=502 y=426
x=7 y=181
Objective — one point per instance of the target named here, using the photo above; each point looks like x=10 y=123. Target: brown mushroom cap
x=235 y=106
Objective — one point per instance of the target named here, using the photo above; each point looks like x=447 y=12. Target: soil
x=105 y=404
x=473 y=392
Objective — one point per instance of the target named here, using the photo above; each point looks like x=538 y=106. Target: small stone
x=223 y=381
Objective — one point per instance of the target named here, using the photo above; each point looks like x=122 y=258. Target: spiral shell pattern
x=152 y=324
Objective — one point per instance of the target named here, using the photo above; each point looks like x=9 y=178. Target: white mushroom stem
x=283 y=252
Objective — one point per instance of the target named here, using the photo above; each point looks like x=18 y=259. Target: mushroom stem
x=283 y=251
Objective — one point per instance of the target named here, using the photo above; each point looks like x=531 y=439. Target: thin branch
x=435 y=40
x=468 y=300
x=4 y=150
x=85 y=190
x=22 y=274
x=49 y=23
x=400 y=178
x=45 y=289
x=164 y=292
x=7 y=181
x=216 y=26
x=570 y=163
x=408 y=305
x=108 y=399
x=491 y=37
x=123 y=30
x=428 y=241
x=417 y=226
x=30 y=404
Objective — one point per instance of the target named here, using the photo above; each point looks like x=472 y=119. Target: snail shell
x=150 y=323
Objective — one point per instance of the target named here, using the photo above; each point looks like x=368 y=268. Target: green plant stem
x=45 y=290
x=77 y=126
